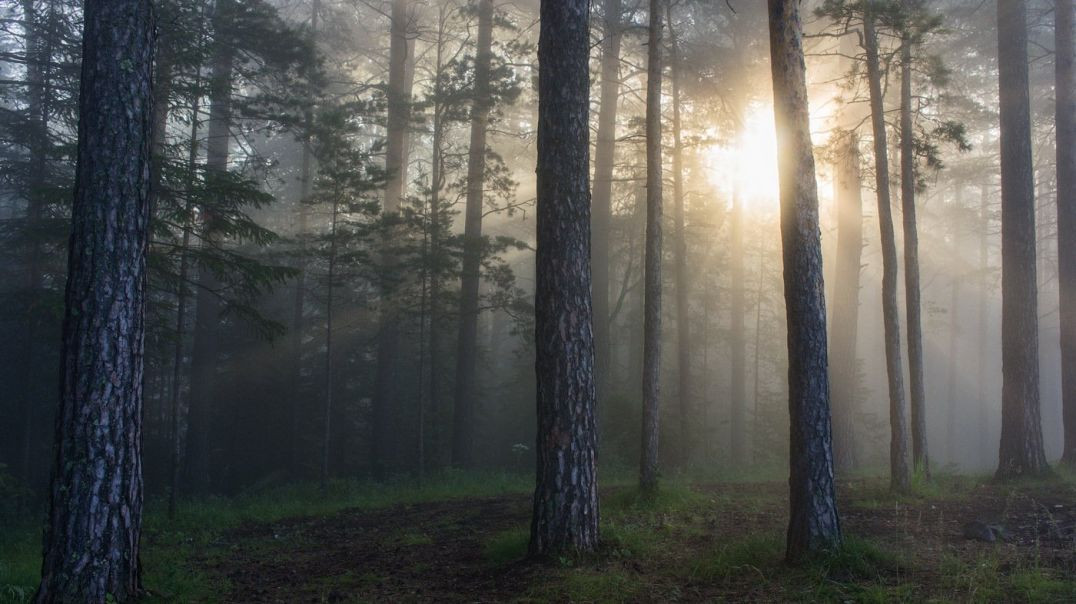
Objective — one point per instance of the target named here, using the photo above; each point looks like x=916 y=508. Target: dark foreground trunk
x=1066 y=216
x=814 y=524
x=566 y=495
x=95 y=514
x=899 y=473
x=1021 y=452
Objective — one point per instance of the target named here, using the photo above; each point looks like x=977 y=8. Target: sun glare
x=747 y=166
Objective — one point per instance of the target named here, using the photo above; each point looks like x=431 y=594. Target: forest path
x=724 y=544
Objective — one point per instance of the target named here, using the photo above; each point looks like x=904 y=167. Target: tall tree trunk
x=204 y=355
x=844 y=365
x=954 y=370
x=1065 y=116
x=327 y=409
x=601 y=218
x=566 y=495
x=814 y=524
x=436 y=184
x=95 y=510
x=399 y=115
x=737 y=343
x=920 y=457
x=900 y=475
x=985 y=447
x=1021 y=451
x=683 y=282
x=648 y=470
x=467 y=351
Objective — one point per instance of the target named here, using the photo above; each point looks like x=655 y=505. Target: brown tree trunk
x=920 y=457
x=604 y=155
x=814 y=524
x=1065 y=120
x=467 y=346
x=900 y=475
x=95 y=512
x=648 y=467
x=399 y=114
x=1021 y=451
x=566 y=495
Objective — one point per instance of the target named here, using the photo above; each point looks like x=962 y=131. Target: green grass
x=507 y=546
x=990 y=578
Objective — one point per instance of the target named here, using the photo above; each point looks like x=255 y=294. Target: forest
x=537 y=301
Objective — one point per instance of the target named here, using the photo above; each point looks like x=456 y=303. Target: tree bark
x=920 y=457
x=601 y=218
x=648 y=467
x=737 y=344
x=566 y=495
x=814 y=524
x=399 y=115
x=467 y=346
x=95 y=511
x=327 y=409
x=1065 y=130
x=1021 y=450
x=900 y=475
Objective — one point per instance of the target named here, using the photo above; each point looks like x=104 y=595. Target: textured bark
x=899 y=473
x=566 y=495
x=683 y=282
x=814 y=524
x=1021 y=452
x=918 y=395
x=601 y=213
x=1065 y=130
x=204 y=356
x=399 y=115
x=95 y=512
x=648 y=465
x=843 y=368
x=467 y=346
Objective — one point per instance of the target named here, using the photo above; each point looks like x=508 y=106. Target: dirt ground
x=438 y=552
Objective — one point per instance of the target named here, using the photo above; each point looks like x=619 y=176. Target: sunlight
x=747 y=166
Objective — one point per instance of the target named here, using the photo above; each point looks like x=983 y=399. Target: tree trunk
x=737 y=346
x=920 y=457
x=844 y=366
x=604 y=155
x=95 y=512
x=814 y=524
x=951 y=387
x=1065 y=117
x=648 y=470
x=326 y=434
x=566 y=494
x=1021 y=452
x=985 y=447
x=900 y=475
x=467 y=351
x=399 y=115
x=204 y=356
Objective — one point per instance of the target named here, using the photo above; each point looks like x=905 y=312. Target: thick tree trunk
x=814 y=524
x=900 y=475
x=95 y=513
x=467 y=346
x=1021 y=452
x=683 y=282
x=648 y=467
x=844 y=329
x=918 y=394
x=399 y=115
x=601 y=217
x=1065 y=129
x=566 y=495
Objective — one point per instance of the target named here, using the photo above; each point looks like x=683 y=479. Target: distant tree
x=1021 y=450
x=566 y=495
x=95 y=516
x=1065 y=129
x=814 y=524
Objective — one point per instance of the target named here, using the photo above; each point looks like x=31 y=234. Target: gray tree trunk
x=1065 y=132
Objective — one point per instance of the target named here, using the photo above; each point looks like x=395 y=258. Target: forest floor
x=466 y=542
